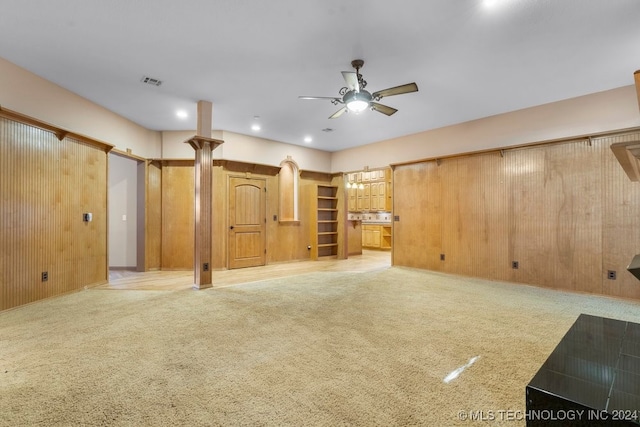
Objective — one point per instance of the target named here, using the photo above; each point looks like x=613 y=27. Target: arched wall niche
x=288 y=179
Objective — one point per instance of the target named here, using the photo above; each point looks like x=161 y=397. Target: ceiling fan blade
x=384 y=109
x=398 y=90
x=351 y=78
x=332 y=98
x=338 y=113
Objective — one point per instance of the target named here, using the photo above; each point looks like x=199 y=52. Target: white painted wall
x=123 y=193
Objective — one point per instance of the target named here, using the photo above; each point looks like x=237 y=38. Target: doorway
x=125 y=214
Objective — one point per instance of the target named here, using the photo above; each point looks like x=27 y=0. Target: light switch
x=124 y=217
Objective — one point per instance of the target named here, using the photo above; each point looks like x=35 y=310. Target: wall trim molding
x=59 y=132
x=501 y=150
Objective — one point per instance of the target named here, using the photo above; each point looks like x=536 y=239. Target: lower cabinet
x=376 y=236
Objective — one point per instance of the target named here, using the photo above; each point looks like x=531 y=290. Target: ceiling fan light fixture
x=357 y=106
x=357 y=101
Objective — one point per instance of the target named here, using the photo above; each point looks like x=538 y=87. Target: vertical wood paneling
x=525 y=169
x=411 y=187
x=4 y=226
x=556 y=216
x=141 y=216
x=153 y=212
x=47 y=185
x=456 y=254
x=565 y=212
x=342 y=206
x=177 y=215
x=286 y=183
x=418 y=202
x=203 y=205
x=482 y=216
x=621 y=222
x=219 y=233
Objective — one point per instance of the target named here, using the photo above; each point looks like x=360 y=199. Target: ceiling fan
x=355 y=98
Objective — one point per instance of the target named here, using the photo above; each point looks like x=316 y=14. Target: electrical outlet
x=205 y=266
x=45 y=276
x=611 y=274
x=515 y=265
x=441 y=257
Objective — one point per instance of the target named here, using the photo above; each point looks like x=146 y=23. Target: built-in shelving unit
x=327 y=223
x=326 y=232
x=385 y=237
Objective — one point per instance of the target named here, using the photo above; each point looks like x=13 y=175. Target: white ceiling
x=255 y=57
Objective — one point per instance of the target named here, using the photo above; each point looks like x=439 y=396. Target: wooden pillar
x=636 y=76
x=203 y=145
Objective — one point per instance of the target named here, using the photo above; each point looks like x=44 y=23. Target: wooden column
x=203 y=145
x=636 y=76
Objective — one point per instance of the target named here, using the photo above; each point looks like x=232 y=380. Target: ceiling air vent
x=151 y=81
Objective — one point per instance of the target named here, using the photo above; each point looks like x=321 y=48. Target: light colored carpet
x=320 y=349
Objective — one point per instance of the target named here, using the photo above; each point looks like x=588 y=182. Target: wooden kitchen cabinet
x=363 y=200
x=369 y=191
x=378 y=196
x=376 y=236
x=385 y=237
x=352 y=194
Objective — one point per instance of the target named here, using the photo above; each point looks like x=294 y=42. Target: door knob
x=231 y=227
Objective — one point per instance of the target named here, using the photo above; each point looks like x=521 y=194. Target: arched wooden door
x=247 y=222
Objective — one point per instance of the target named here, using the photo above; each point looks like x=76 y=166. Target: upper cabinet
x=369 y=191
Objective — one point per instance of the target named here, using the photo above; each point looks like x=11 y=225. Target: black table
x=592 y=378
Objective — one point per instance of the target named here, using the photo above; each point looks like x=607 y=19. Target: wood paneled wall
x=286 y=241
x=170 y=233
x=220 y=224
x=566 y=212
x=289 y=240
x=177 y=215
x=46 y=184
x=620 y=223
x=153 y=212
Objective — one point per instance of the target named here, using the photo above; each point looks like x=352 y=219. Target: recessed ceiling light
x=182 y=114
x=490 y=3
x=307 y=139
x=255 y=127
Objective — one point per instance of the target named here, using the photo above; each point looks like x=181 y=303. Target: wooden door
x=247 y=222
